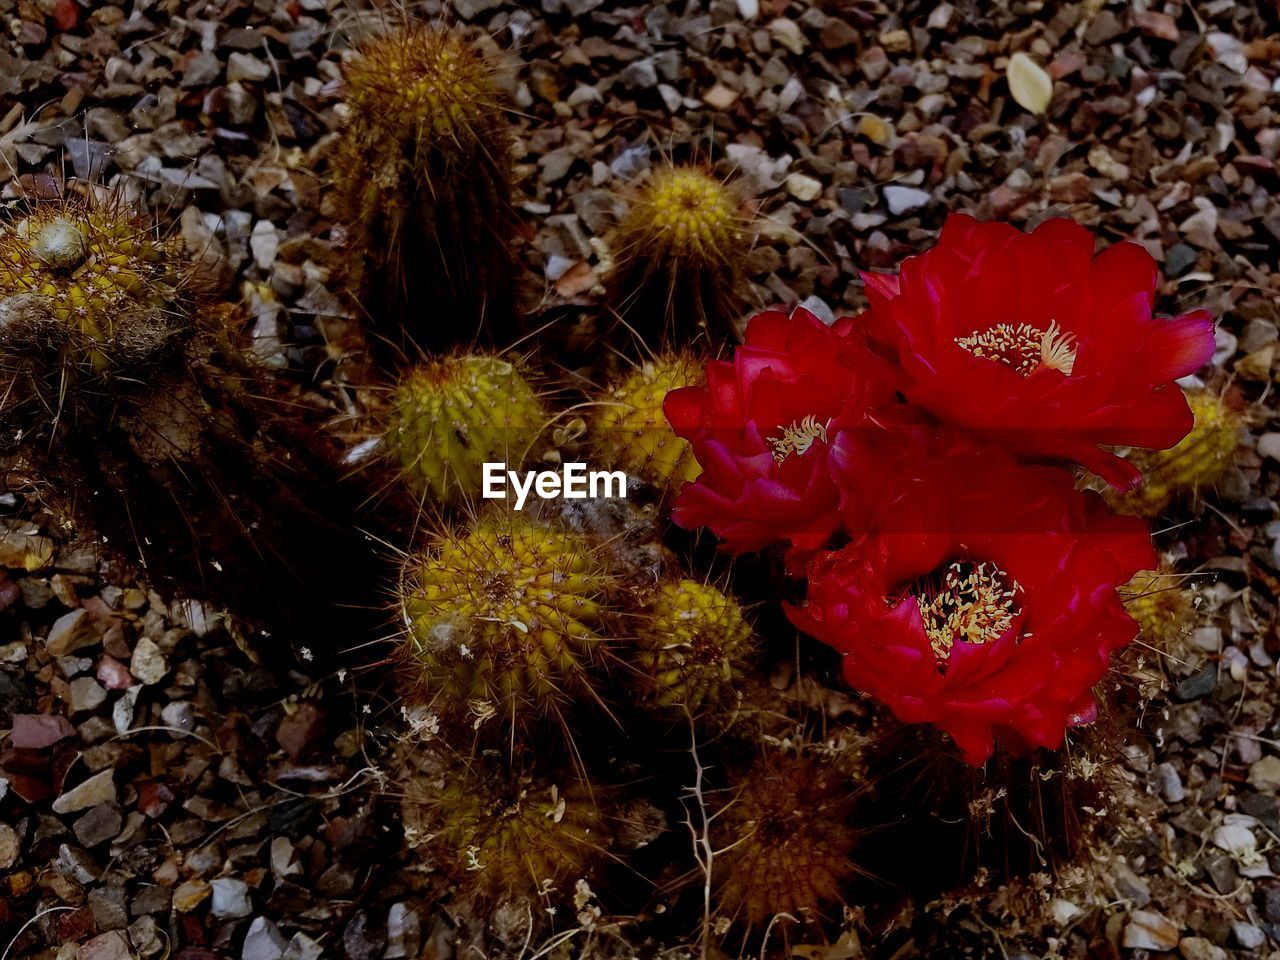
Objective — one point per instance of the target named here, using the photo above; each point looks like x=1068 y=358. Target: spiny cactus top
x=679 y=258
x=431 y=79
x=688 y=213
x=786 y=837
x=91 y=285
x=694 y=645
x=423 y=175
x=1197 y=462
x=504 y=620
x=633 y=432
x=451 y=416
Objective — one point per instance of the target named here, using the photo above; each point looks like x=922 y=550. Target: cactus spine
x=506 y=842
x=787 y=839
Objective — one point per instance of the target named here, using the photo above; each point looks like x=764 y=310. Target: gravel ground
x=164 y=794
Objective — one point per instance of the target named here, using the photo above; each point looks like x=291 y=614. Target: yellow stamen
x=973 y=605
x=1024 y=348
x=797 y=438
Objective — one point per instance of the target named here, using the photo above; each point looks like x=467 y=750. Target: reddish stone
x=154 y=798
x=1067 y=62
x=1155 y=24
x=299 y=730
x=39 y=731
x=66 y=15
x=113 y=674
x=75 y=925
x=10 y=592
x=28 y=789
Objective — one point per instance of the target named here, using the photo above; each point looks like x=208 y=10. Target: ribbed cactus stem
x=631 y=430
x=505 y=621
x=451 y=416
x=679 y=259
x=423 y=177
x=694 y=646
x=787 y=840
x=92 y=278
x=509 y=844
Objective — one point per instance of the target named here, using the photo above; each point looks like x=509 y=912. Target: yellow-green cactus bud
x=694 y=645
x=423 y=176
x=679 y=259
x=504 y=620
x=449 y=417
x=786 y=838
x=633 y=433
x=1196 y=464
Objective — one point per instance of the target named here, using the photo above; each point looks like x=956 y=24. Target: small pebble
x=230 y=898
x=902 y=200
x=100 y=788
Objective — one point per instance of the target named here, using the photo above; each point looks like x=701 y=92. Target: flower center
x=972 y=604
x=797 y=438
x=1024 y=348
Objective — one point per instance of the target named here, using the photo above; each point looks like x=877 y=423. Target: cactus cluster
x=513 y=624
x=678 y=263
x=450 y=416
x=1193 y=466
x=786 y=838
x=632 y=431
x=521 y=631
x=694 y=647
x=423 y=177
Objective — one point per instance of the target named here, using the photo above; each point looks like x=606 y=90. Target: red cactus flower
x=761 y=428
x=981 y=598
x=1038 y=344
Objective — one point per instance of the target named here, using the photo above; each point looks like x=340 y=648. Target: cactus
x=785 y=838
x=1163 y=607
x=508 y=843
x=1197 y=463
x=678 y=265
x=423 y=176
x=127 y=394
x=88 y=294
x=694 y=646
x=505 y=620
x=449 y=417
x=632 y=431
